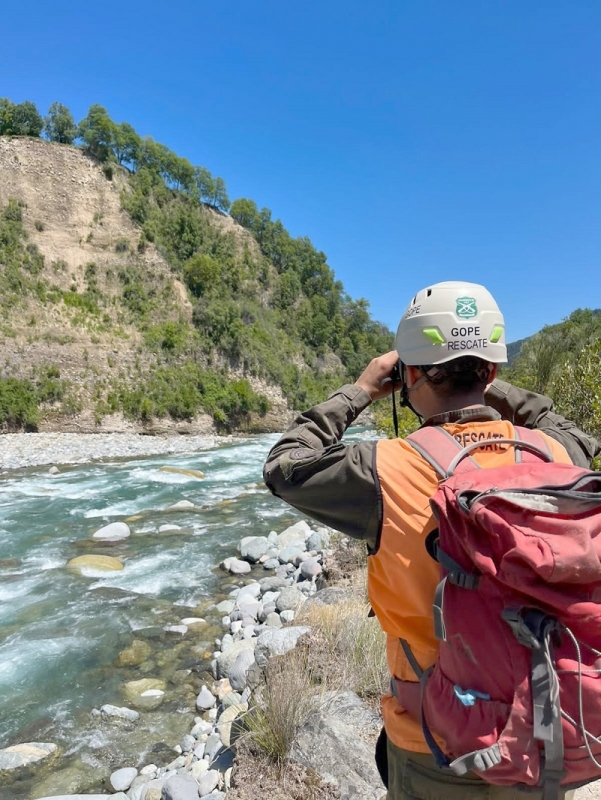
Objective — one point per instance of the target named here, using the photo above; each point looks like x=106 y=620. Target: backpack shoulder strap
x=533 y=438
x=440 y=449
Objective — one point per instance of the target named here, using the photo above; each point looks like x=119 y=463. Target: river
x=61 y=632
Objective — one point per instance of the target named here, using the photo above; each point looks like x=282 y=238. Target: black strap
x=442 y=761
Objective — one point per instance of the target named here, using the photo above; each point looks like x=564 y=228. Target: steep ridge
x=72 y=214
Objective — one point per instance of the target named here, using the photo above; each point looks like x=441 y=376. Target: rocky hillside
x=71 y=307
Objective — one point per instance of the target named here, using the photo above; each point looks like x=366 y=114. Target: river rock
x=114 y=532
x=189 y=473
x=273 y=620
x=180 y=787
x=271 y=563
x=318 y=540
x=224 y=726
x=290 y=598
x=225 y=606
x=208 y=782
x=75 y=779
x=205 y=699
x=328 y=742
x=123 y=778
x=288 y=554
x=83 y=797
x=238 y=567
x=249 y=592
x=311 y=568
x=167 y=528
x=119 y=712
x=276 y=642
x=147 y=693
x=188 y=743
x=134 y=655
x=95 y=562
x=297 y=532
x=272 y=584
x=226 y=658
x=199 y=767
x=181 y=504
x=22 y=755
x=238 y=670
x=254 y=547
x=330 y=596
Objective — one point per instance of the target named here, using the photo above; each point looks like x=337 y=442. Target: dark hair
x=464 y=374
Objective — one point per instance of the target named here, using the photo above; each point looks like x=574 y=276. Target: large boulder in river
x=94 y=562
x=23 y=755
x=114 y=532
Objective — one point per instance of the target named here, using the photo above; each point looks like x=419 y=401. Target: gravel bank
x=19 y=450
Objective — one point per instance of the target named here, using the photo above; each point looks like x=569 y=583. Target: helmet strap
x=404 y=402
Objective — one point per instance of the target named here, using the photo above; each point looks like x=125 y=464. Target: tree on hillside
x=126 y=144
x=577 y=388
x=19 y=119
x=59 y=125
x=245 y=212
x=219 y=198
x=97 y=131
x=543 y=354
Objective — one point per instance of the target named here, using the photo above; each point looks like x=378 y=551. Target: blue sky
x=412 y=141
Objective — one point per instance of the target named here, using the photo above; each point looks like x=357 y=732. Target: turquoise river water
x=61 y=632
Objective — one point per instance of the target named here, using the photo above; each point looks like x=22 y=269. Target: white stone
x=113 y=532
x=123 y=778
x=165 y=528
x=181 y=504
x=20 y=755
x=205 y=699
x=182 y=629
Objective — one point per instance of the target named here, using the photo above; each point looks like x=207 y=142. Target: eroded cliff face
x=72 y=213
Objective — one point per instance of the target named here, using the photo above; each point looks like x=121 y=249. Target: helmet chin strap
x=405 y=402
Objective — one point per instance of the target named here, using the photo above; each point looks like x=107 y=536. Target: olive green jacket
x=334 y=483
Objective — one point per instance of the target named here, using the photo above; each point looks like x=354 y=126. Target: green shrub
x=18 y=404
x=39 y=225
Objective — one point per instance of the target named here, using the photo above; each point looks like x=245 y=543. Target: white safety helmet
x=449 y=320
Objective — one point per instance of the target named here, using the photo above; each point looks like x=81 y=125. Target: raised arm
x=312 y=470
x=531 y=410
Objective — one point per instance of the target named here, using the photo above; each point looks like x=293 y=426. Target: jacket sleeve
x=312 y=470
x=531 y=410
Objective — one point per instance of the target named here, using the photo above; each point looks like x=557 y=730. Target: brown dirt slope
x=73 y=214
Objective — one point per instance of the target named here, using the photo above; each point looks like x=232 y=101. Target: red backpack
x=516 y=690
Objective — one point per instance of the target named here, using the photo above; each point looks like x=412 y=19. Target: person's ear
x=412 y=375
x=492 y=373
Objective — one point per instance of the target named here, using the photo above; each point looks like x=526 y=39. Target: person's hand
x=376 y=377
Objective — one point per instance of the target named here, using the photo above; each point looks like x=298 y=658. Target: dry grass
x=345 y=651
x=281 y=705
x=347 y=648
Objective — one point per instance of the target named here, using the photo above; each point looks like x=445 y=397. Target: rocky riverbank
x=258 y=623
x=20 y=450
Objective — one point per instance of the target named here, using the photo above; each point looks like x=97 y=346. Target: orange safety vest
x=402 y=577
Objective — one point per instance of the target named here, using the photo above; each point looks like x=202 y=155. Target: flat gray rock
x=180 y=787
x=330 y=743
x=276 y=642
x=22 y=755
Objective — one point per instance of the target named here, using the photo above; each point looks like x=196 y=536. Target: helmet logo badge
x=466 y=307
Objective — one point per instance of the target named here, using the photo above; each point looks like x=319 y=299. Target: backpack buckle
x=526 y=630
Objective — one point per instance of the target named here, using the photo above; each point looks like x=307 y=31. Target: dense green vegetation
x=266 y=305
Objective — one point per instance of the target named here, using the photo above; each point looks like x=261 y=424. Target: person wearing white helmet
x=448 y=346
